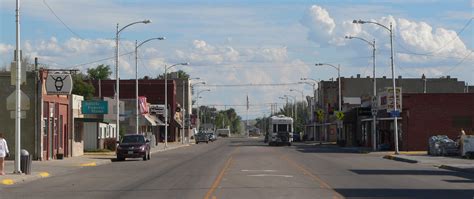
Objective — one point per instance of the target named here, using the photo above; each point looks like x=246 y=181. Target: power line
x=248 y=85
x=59 y=19
x=437 y=50
x=459 y=63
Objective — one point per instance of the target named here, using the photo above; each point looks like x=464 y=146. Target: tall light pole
x=189 y=113
x=300 y=92
x=18 y=93
x=296 y=103
x=295 y=106
x=286 y=98
x=374 y=97
x=184 y=107
x=313 y=83
x=136 y=77
x=117 y=76
x=338 y=68
x=166 y=98
x=395 y=118
x=197 y=98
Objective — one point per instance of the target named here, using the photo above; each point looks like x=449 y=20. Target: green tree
x=100 y=72
x=181 y=75
x=82 y=86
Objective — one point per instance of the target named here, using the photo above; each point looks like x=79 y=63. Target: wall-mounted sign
x=95 y=107
x=157 y=109
x=59 y=84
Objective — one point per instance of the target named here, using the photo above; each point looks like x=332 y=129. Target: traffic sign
x=395 y=113
x=339 y=115
x=374 y=111
x=320 y=114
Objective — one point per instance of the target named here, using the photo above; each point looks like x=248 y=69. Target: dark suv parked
x=133 y=146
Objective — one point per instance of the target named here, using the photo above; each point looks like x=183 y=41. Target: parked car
x=296 y=137
x=212 y=136
x=201 y=137
x=133 y=146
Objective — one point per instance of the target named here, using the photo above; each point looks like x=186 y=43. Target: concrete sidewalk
x=43 y=169
x=450 y=163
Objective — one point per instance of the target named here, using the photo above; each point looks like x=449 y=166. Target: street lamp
x=294 y=106
x=117 y=76
x=184 y=110
x=338 y=68
x=197 y=100
x=395 y=122
x=374 y=110
x=286 y=98
x=136 y=75
x=166 y=98
x=313 y=83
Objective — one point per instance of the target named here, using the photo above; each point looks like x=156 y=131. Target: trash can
x=25 y=162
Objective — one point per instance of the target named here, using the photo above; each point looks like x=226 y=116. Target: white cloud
x=415 y=37
x=321 y=26
x=5 y=48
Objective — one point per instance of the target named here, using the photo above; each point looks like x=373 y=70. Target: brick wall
x=425 y=115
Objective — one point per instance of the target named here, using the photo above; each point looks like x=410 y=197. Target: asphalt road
x=247 y=168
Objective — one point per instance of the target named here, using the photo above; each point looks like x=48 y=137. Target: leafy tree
x=181 y=75
x=102 y=72
x=81 y=86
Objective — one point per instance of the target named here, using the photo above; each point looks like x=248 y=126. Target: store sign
x=386 y=101
x=95 y=107
x=157 y=109
x=59 y=84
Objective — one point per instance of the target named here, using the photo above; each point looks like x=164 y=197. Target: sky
x=262 y=42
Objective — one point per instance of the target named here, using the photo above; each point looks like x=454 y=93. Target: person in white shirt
x=3 y=153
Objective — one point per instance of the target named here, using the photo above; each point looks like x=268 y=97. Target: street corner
x=15 y=179
x=400 y=159
x=88 y=164
x=8 y=181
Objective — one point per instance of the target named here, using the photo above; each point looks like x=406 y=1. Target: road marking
x=245 y=170
x=44 y=174
x=90 y=164
x=217 y=181
x=314 y=177
x=8 y=181
x=271 y=175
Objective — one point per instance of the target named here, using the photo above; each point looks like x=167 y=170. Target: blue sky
x=237 y=42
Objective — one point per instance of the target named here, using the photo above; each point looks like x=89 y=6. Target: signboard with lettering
x=386 y=101
x=95 y=107
x=157 y=109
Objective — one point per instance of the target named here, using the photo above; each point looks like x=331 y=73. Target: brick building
x=153 y=90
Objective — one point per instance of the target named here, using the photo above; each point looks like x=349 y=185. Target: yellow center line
x=314 y=177
x=217 y=181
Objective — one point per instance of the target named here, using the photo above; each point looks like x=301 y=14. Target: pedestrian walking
x=3 y=153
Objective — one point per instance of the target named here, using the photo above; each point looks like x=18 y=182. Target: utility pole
x=18 y=93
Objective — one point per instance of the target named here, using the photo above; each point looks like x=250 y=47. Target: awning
x=150 y=120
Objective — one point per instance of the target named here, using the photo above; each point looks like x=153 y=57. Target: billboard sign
x=386 y=101
x=95 y=107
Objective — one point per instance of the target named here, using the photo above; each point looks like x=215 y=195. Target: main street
x=248 y=168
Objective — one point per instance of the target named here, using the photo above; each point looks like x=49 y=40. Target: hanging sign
x=59 y=84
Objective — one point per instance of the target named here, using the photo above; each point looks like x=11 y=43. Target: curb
x=391 y=157
x=24 y=178
x=452 y=168
x=169 y=148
